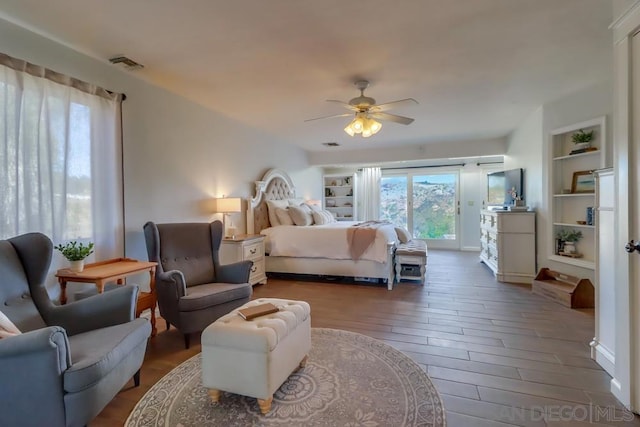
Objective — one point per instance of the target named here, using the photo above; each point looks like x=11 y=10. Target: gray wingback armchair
x=70 y=360
x=193 y=289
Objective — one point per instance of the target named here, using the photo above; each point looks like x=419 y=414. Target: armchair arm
x=32 y=366
x=237 y=272
x=98 y=311
x=170 y=287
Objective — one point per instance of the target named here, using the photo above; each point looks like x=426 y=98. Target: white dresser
x=246 y=247
x=508 y=244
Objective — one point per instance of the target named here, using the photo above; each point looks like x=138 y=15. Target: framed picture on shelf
x=583 y=182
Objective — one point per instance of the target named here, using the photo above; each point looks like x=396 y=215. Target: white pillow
x=7 y=328
x=323 y=217
x=295 y=202
x=300 y=215
x=272 y=205
x=403 y=235
x=283 y=216
x=314 y=208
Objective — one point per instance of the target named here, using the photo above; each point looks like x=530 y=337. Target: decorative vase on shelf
x=76 y=266
x=569 y=247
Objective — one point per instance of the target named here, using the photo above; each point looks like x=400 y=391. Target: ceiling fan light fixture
x=349 y=130
x=374 y=126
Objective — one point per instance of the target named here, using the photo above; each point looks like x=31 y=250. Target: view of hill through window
x=434 y=210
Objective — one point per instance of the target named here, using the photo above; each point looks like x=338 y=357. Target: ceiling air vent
x=128 y=63
x=330 y=144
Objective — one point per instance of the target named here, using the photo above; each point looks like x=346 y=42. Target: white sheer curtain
x=60 y=158
x=370 y=193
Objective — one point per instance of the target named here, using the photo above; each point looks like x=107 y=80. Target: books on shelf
x=583 y=150
x=257 y=310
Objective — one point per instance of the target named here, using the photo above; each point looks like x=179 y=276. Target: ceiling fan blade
x=392 y=118
x=394 y=104
x=344 y=104
x=330 y=117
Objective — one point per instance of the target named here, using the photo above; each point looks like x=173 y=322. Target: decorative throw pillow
x=300 y=215
x=272 y=205
x=403 y=235
x=295 y=202
x=313 y=207
x=284 y=217
x=323 y=217
x=7 y=328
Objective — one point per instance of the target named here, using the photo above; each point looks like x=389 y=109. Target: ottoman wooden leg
x=215 y=394
x=303 y=362
x=265 y=404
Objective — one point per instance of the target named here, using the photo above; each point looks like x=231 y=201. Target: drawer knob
x=253 y=251
x=254 y=268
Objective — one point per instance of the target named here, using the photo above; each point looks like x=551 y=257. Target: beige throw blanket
x=361 y=236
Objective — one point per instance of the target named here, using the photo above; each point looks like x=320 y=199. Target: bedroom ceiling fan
x=367 y=112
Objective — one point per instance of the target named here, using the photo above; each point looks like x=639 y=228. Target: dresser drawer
x=253 y=251
x=257 y=271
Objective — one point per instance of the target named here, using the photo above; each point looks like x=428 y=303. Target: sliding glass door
x=424 y=201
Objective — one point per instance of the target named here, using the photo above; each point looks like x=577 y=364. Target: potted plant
x=75 y=253
x=568 y=239
x=582 y=139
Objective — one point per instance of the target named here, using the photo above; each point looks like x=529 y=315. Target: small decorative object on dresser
x=246 y=247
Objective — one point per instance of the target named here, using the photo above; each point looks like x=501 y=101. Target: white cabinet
x=508 y=244
x=339 y=196
x=247 y=247
x=604 y=341
x=572 y=190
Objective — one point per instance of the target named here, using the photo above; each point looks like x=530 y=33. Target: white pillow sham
x=323 y=217
x=283 y=216
x=272 y=205
x=301 y=215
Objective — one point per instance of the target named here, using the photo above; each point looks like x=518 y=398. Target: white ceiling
x=477 y=67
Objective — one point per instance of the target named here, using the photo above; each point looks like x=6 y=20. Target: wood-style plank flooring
x=498 y=355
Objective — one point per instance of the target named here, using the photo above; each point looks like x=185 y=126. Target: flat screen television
x=500 y=185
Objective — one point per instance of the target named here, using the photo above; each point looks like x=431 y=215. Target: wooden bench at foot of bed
x=411 y=260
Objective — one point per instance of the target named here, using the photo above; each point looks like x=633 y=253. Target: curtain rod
x=59 y=78
x=439 y=166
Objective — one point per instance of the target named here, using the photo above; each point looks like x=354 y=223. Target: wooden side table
x=246 y=247
x=114 y=270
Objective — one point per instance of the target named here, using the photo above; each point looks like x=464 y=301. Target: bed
x=294 y=255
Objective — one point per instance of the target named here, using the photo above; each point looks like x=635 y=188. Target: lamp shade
x=228 y=205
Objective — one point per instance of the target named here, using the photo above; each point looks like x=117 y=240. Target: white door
x=626 y=145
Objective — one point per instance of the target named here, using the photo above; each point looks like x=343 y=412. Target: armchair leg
x=168 y=324
x=136 y=378
x=186 y=341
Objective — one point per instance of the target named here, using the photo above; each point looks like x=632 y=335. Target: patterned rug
x=349 y=380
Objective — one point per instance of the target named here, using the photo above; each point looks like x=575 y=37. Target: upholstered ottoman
x=255 y=357
x=411 y=260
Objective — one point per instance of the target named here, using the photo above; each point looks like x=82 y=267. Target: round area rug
x=349 y=380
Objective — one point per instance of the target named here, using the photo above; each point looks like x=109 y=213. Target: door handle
x=632 y=246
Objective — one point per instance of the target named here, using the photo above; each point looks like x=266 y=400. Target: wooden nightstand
x=246 y=247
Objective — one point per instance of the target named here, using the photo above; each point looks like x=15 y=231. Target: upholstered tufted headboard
x=275 y=185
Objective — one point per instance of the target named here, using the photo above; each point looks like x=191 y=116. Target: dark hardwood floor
x=498 y=354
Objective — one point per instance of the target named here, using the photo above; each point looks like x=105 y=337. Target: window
x=425 y=202
x=60 y=148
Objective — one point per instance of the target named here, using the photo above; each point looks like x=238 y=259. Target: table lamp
x=226 y=206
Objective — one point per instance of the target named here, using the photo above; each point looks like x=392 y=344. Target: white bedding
x=324 y=241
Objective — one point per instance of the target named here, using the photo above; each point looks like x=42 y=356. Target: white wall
x=177 y=154
x=442 y=150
